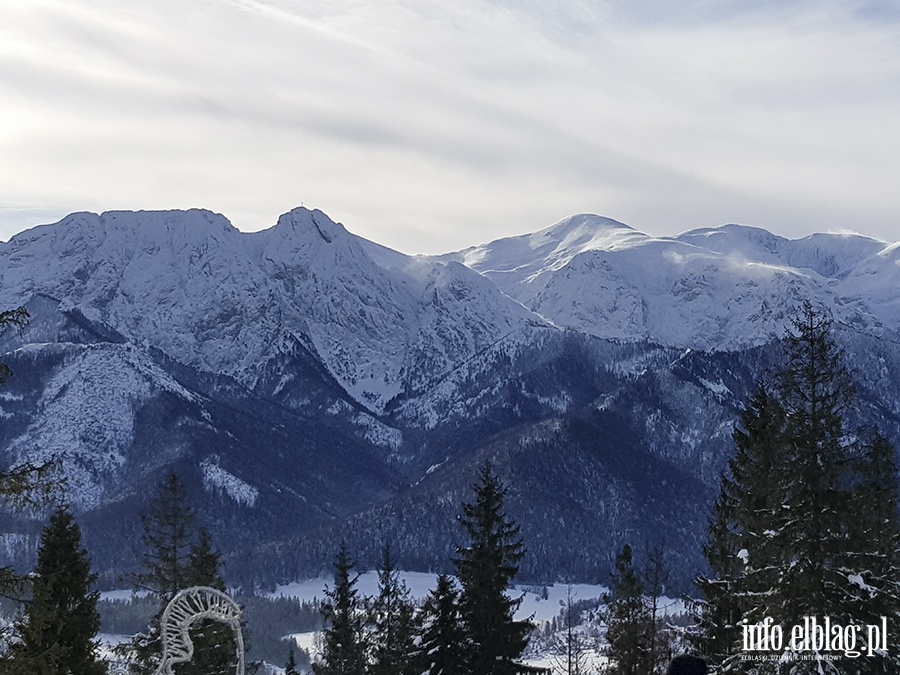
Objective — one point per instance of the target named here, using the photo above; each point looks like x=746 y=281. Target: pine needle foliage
x=806 y=522
x=59 y=628
x=628 y=620
x=485 y=568
x=444 y=647
x=394 y=624
x=177 y=555
x=343 y=641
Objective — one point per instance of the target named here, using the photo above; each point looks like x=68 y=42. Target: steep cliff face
x=191 y=285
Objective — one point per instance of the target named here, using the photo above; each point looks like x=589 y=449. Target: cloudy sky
x=430 y=125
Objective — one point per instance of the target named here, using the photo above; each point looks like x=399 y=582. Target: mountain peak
x=551 y=247
x=721 y=287
x=586 y=222
x=753 y=243
x=304 y=222
x=584 y=232
x=303 y=234
x=85 y=233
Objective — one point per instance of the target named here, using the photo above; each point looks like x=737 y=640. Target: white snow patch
x=418 y=583
x=379 y=433
x=14 y=543
x=858 y=580
x=435 y=467
x=559 y=403
x=217 y=479
x=716 y=388
x=122 y=595
x=308 y=642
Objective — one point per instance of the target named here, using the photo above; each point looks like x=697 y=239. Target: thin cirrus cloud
x=429 y=126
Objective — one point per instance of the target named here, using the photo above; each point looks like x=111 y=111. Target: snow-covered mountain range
x=311 y=384
x=193 y=286
x=713 y=288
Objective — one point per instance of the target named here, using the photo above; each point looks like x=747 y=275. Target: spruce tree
x=204 y=563
x=870 y=563
x=746 y=516
x=443 y=649
x=628 y=632
x=168 y=539
x=343 y=642
x=823 y=568
x=485 y=569
x=393 y=624
x=816 y=391
x=59 y=628
x=214 y=642
x=806 y=523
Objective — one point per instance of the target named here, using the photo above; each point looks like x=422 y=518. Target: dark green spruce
x=628 y=620
x=214 y=642
x=806 y=522
x=443 y=647
x=394 y=624
x=290 y=668
x=343 y=640
x=485 y=568
x=59 y=628
x=177 y=556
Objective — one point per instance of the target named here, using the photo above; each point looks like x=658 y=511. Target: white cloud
x=429 y=125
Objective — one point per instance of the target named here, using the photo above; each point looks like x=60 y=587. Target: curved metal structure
x=191 y=605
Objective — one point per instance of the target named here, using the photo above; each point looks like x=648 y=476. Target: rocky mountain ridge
x=310 y=384
x=712 y=288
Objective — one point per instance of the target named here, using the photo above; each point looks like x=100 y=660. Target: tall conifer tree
x=343 y=642
x=744 y=519
x=290 y=667
x=806 y=523
x=393 y=624
x=168 y=526
x=59 y=628
x=214 y=642
x=485 y=569
x=177 y=556
x=168 y=538
x=444 y=647
x=628 y=631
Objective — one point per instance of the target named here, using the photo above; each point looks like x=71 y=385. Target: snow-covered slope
x=313 y=386
x=85 y=418
x=723 y=288
x=190 y=284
